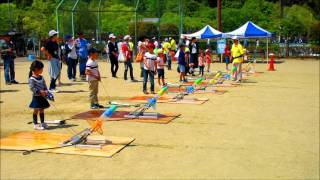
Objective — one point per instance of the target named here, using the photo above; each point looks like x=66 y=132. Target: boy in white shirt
x=93 y=78
x=149 y=68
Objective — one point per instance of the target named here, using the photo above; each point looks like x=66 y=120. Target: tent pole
x=221 y=53
x=267 y=50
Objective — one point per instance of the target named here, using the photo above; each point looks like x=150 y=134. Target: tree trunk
x=219 y=15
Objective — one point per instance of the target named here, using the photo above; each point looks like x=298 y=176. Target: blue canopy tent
x=249 y=30
x=206 y=32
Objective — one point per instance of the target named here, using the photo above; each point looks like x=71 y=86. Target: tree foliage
x=37 y=17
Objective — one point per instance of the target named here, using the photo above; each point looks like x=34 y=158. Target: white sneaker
x=44 y=125
x=54 y=90
x=38 y=127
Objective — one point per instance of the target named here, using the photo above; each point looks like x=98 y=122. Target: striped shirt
x=37 y=84
x=93 y=67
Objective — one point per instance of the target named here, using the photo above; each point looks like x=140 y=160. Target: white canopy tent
x=206 y=32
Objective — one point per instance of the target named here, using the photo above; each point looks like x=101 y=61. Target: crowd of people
x=154 y=57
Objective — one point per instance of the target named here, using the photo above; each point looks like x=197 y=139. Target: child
x=201 y=63
x=149 y=68
x=182 y=63
x=93 y=78
x=39 y=91
x=245 y=55
x=189 y=69
x=160 y=67
x=227 y=54
x=208 y=59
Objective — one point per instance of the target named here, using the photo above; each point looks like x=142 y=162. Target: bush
x=143 y=29
x=169 y=29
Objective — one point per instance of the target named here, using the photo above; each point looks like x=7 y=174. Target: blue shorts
x=160 y=73
x=227 y=59
x=182 y=68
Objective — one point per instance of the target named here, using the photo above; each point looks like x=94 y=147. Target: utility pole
x=181 y=19
x=10 y=16
x=158 y=16
x=99 y=28
x=219 y=20
x=281 y=8
x=219 y=15
x=57 y=15
x=72 y=16
x=135 y=27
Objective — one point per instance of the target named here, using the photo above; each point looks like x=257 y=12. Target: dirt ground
x=268 y=128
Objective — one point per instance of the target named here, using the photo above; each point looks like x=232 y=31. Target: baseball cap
x=68 y=37
x=235 y=37
x=126 y=37
x=150 y=45
x=92 y=50
x=52 y=33
x=112 y=36
x=182 y=45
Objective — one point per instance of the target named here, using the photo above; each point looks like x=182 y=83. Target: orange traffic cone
x=271 y=63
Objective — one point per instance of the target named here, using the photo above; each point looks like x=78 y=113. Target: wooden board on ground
x=211 y=91
x=225 y=84
x=190 y=83
x=254 y=74
x=29 y=140
x=170 y=100
x=120 y=116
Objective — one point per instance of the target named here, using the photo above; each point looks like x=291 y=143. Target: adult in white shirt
x=72 y=61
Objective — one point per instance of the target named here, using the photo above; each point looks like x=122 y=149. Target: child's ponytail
x=30 y=73
x=34 y=66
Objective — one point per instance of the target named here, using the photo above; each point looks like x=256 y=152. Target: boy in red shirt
x=208 y=59
x=227 y=54
x=127 y=58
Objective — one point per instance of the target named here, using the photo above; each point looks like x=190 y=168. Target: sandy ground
x=265 y=129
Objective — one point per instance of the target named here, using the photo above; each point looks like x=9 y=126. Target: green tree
x=298 y=20
x=39 y=18
x=117 y=22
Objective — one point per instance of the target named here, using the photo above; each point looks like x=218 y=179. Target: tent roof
x=204 y=33
x=248 y=30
